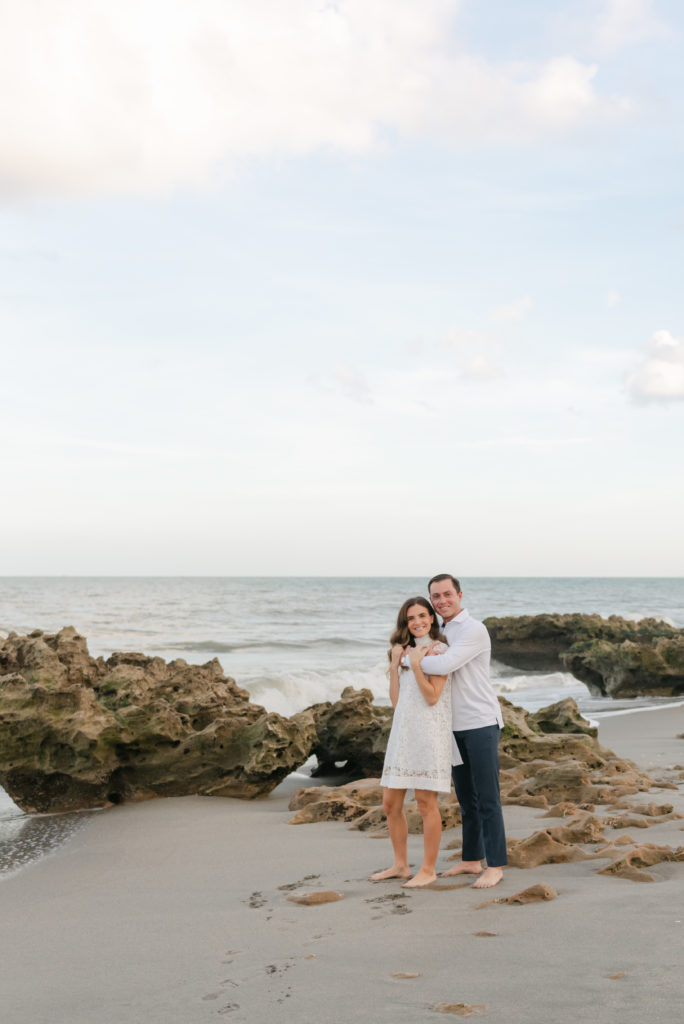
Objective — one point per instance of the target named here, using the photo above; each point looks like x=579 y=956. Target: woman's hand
x=416 y=655
x=397 y=655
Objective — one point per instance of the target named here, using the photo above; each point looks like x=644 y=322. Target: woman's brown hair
x=402 y=634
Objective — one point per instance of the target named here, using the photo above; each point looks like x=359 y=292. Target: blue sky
x=345 y=288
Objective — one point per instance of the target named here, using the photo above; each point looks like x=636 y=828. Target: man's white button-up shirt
x=473 y=701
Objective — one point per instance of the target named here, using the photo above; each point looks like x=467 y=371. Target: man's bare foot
x=420 y=880
x=492 y=876
x=393 y=872
x=464 y=867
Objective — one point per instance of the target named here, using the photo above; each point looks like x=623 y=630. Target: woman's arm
x=430 y=686
x=396 y=656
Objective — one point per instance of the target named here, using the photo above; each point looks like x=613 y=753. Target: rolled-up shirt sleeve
x=458 y=654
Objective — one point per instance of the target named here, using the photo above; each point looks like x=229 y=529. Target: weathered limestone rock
x=364 y=792
x=651 y=810
x=565 y=809
x=613 y=657
x=541 y=892
x=353 y=729
x=315 y=899
x=535 y=894
x=576 y=781
x=563 y=717
x=557 y=845
x=630 y=668
x=567 y=733
x=79 y=732
x=332 y=808
x=632 y=864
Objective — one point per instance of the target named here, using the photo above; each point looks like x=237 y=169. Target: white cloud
x=480 y=368
x=612 y=299
x=661 y=376
x=624 y=23
x=144 y=96
x=513 y=312
x=459 y=338
x=351 y=383
x=474 y=352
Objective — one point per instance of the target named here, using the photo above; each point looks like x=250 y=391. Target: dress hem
x=415 y=782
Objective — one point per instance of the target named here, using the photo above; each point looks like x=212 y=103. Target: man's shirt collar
x=461 y=617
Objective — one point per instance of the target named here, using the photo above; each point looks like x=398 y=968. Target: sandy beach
x=177 y=911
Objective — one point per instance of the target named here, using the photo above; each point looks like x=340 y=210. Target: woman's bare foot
x=394 y=872
x=492 y=876
x=421 y=879
x=464 y=867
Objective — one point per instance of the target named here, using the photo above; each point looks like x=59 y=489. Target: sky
x=352 y=288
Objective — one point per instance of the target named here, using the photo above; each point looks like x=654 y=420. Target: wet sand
x=176 y=911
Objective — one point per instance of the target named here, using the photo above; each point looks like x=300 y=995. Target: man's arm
x=458 y=654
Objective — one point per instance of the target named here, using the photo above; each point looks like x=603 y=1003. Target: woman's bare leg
x=432 y=835
x=393 y=806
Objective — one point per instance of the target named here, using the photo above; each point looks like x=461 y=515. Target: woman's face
x=419 y=620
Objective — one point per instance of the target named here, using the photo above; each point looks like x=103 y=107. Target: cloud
x=661 y=376
x=513 y=312
x=612 y=299
x=480 y=368
x=352 y=383
x=474 y=353
x=624 y=23
x=145 y=96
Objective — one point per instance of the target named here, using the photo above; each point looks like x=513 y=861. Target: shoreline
x=176 y=911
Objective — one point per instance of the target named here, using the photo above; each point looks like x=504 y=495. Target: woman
x=418 y=752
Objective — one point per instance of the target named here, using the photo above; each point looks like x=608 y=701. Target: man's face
x=446 y=600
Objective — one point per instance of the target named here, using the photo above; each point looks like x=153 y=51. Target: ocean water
x=293 y=641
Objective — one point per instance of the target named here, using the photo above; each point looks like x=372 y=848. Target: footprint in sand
x=290 y=886
x=276 y=969
x=396 y=900
x=256 y=901
x=227 y=983
x=459 y=1009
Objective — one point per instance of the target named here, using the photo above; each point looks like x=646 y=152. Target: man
x=476 y=722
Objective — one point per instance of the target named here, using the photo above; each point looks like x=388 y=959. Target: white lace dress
x=418 y=752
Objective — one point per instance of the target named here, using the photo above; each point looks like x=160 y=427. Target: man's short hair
x=445 y=576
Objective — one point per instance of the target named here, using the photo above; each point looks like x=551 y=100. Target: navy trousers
x=477 y=787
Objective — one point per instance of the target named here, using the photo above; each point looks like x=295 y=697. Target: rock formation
x=79 y=732
x=567 y=769
x=353 y=731
x=631 y=865
x=614 y=657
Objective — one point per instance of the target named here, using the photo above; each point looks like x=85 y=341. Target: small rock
x=459 y=1009
x=314 y=899
x=535 y=894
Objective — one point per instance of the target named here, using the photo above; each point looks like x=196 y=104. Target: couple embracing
x=447 y=723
